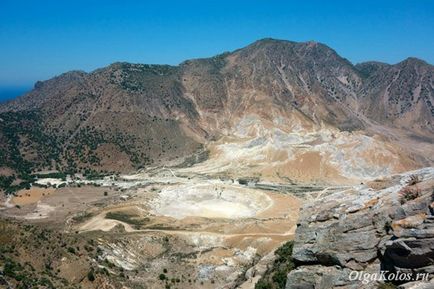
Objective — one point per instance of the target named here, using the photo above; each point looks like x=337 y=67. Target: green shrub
x=262 y=284
x=275 y=278
x=387 y=286
x=91 y=276
x=127 y=218
x=280 y=278
x=5 y=181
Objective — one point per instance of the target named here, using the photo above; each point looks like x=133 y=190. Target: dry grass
x=409 y=193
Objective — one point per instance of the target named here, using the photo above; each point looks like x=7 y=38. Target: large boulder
x=384 y=225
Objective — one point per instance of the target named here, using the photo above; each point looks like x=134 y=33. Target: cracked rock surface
x=370 y=228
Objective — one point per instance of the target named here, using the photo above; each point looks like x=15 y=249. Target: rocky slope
x=385 y=225
x=397 y=92
x=119 y=118
x=286 y=100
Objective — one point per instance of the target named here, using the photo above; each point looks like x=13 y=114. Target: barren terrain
x=191 y=176
x=210 y=229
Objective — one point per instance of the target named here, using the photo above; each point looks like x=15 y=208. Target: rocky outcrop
x=384 y=226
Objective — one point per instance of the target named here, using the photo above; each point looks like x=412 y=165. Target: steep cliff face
x=299 y=109
x=385 y=225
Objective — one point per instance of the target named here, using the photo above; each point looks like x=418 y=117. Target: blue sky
x=40 y=39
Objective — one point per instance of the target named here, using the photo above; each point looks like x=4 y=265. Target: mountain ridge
x=262 y=40
x=128 y=116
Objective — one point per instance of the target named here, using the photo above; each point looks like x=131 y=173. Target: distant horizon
x=11 y=91
x=42 y=40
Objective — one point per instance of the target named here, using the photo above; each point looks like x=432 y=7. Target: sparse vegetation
x=71 y=250
x=82 y=217
x=57 y=175
x=91 y=276
x=262 y=284
x=6 y=181
x=387 y=286
x=275 y=278
x=127 y=218
x=22 y=134
x=413 y=180
x=409 y=193
x=28 y=254
x=162 y=277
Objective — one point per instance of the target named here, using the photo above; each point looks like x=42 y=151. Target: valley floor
x=205 y=231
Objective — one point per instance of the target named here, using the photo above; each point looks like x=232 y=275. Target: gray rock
x=417 y=285
x=373 y=231
x=320 y=277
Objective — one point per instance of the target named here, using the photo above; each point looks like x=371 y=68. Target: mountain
x=274 y=109
x=400 y=94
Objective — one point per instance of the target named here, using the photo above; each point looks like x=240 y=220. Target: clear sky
x=40 y=39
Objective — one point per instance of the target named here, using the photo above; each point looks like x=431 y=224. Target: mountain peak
x=165 y=111
x=269 y=40
x=285 y=50
x=274 y=41
x=413 y=61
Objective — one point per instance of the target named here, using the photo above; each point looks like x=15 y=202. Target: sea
x=11 y=92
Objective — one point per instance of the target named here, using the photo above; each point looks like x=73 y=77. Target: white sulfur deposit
x=211 y=201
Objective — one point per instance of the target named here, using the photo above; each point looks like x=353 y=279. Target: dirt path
x=189 y=233
x=99 y=222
